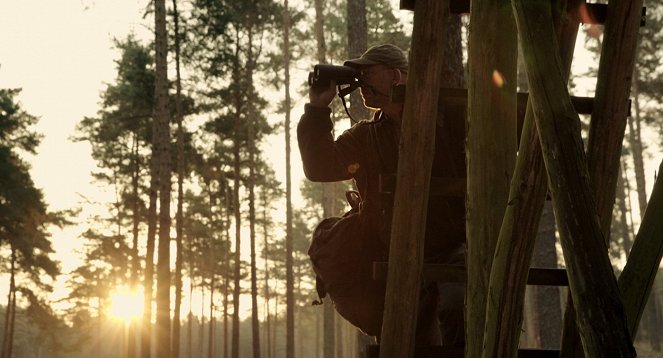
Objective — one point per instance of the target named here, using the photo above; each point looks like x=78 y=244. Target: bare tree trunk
x=290 y=298
x=146 y=329
x=210 y=335
x=327 y=191
x=135 y=218
x=201 y=329
x=7 y=341
x=226 y=275
x=189 y=334
x=235 y=352
x=162 y=122
x=251 y=61
x=266 y=292
x=357 y=45
x=625 y=233
x=180 y=189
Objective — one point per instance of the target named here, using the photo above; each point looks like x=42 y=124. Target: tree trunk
x=210 y=331
x=290 y=297
x=357 y=45
x=189 y=334
x=235 y=352
x=146 y=329
x=7 y=341
x=327 y=193
x=226 y=274
x=255 y=320
x=179 y=259
x=266 y=292
x=600 y=315
x=492 y=68
x=135 y=218
x=413 y=178
x=637 y=150
x=161 y=117
x=201 y=328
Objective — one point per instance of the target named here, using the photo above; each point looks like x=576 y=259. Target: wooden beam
x=416 y=149
x=637 y=278
x=491 y=150
x=601 y=319
x=592 y=13
x=537 y=276
x=457 y=98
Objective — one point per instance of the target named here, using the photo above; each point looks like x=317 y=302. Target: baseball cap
x=387 y=54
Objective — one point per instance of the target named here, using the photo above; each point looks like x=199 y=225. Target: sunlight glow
x=125 y=304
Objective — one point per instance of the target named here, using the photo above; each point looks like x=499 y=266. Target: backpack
x=342 y=253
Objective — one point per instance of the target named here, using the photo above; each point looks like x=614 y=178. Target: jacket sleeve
x=325 y=159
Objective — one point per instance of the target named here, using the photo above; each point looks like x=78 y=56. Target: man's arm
x=323 y=158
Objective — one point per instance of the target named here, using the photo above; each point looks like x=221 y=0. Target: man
x=370 y=148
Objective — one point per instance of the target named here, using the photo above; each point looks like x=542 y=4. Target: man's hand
x=322 y=97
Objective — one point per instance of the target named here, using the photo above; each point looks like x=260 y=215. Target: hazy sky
x=60 y=52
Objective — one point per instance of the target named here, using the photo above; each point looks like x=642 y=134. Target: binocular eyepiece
x=322 y=75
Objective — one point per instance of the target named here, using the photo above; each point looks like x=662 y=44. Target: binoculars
x=322 y=75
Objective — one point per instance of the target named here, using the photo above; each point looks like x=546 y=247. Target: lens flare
x=498 y=79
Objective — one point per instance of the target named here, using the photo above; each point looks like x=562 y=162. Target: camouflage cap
x=388 y=55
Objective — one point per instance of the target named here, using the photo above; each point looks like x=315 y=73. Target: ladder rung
x=456 y=273
x=439 y=186
x=456 y=352
x=457 y=97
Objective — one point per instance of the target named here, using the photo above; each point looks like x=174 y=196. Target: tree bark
x=413 y=178
x=290 y=279
x=357 y=45
x=162 y=119
x=600 y=315
x=179 y=218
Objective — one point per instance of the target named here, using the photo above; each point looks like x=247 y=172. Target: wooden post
x=515 y=245
x=600 y=314
x=492 y=142
x=414 y=167
x=636 y=280
x=607 y=125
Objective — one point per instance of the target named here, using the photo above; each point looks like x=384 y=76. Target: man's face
x=376 y=84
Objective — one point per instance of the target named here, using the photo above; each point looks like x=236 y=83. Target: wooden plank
x=456 y=273
x=595 y=14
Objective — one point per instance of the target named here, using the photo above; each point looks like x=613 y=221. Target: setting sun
x=125 y=304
